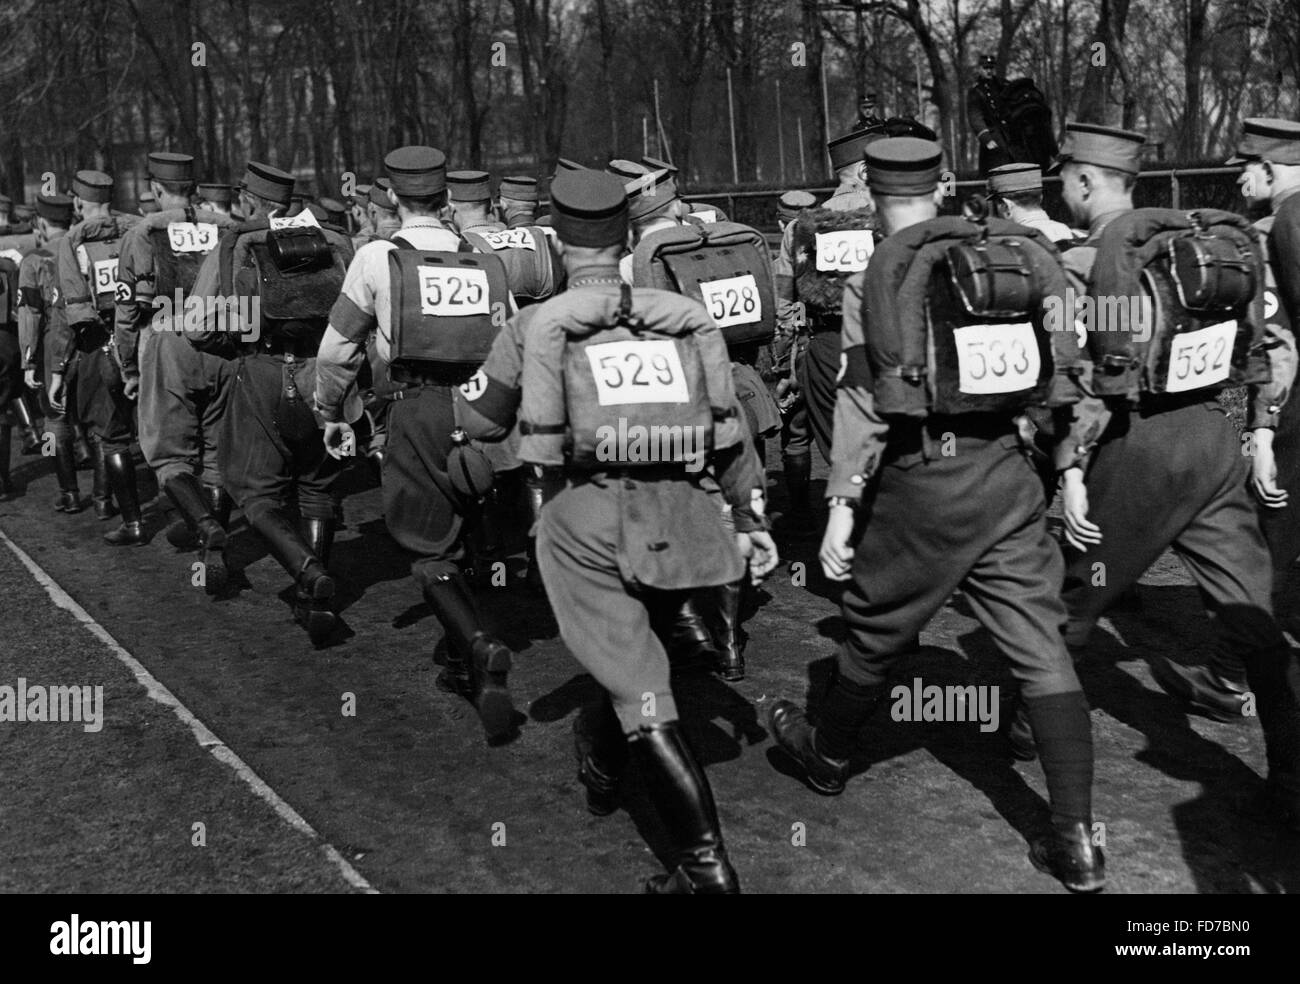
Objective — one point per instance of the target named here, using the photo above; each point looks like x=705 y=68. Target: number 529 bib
x=642 y=371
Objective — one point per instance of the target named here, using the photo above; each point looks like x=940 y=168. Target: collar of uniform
x=424 y=222
x=1277 y=200
x=1103 y=220
x=601 y=273
x=483 y=227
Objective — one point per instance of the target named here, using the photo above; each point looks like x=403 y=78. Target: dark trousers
x=270 y=442
x=94 y=387
x=1282 y=526
x=419 y=508
x=817 y=373
x=976 y=520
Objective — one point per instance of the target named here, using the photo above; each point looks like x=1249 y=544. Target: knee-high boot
x=478 y=664
x=682 y=796
x=101 y=493
x=602 y=756
x=65 y=469
x=120 y=472
x=314 y=587
x=725 y=612
x=187 y=493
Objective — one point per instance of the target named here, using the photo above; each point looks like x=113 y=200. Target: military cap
x=171 y=167
x=1011 y=178
x=1268 y=139
x=589 y=208
x=903 y=166
x=469 y=186
x=420 y=172
x=520 y=189
x=1104 y=146
x=906 y=126
x=655 y=164
x=334 y=210
x=649 y=193
x=93 y=186
x=269 y=183
x=219 y=194
x=148 y=203
x=626 y=170
x=22 y=211
x=789 y=205
x=849 y=148
x=564 y=164
x=318 y=210
x=544 y=221
x=379 y=194
x=55 y=208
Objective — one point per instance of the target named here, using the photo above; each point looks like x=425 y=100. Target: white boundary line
x=202 y=734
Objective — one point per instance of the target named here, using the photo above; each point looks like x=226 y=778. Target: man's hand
x=29 y=378
x=787 y=394
x=759 y=551
x=1079 y=532
x=56 y=393
x=340 y=442
x=131 y=387
x=1263 y=471
x=836 y=553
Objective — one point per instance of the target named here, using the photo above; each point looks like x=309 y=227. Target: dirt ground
x=407 y=790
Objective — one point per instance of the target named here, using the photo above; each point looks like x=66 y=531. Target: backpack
x=178 y=251
x=630 y=394
x=1176 y=304
x=296 y=272
x=724 y=265
x=830 y=246
x=954 y=315
x=446 y=308
x=8 y=291
x=98 y=261
x=526 y=254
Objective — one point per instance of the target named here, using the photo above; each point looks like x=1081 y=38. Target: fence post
x=1174 y=196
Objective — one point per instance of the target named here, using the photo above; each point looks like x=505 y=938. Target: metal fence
x=1195 y=187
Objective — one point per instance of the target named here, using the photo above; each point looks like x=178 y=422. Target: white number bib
x=845 y=252
x=733 y=301
x=453 y=293
x=1001 y=358
x=510 y=239
x=1200 y=358
x=303 y=218
x=646 y=371
x=105 y=276
x=191 y=237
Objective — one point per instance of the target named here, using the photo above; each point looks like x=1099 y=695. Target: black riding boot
x=187 y=493
x=65 y=469
x=680 y=792
x=725 y=611
x=477 y=663
x=101 y=493
x=798 y=478
x=26 y=419
x=538 y=488
x=602 y=756
x=6 y=446
x=219 y=504
x=314 y=588
x=691 y=642
x=120 y=472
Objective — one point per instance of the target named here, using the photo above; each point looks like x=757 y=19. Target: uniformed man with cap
x=1269 y=154
x=181 y=391
x=87 y=372
x=421 y=509
x=269 y=440
x=43 y=336
x=623 y=537
x=909 y=525
x=787 y=353
x=216 y=197
x=1143 y=474
x=383 y=217
x=517 y=200
x=832 y=242
x=1016 y=193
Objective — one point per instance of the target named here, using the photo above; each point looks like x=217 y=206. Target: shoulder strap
x=400 y=242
